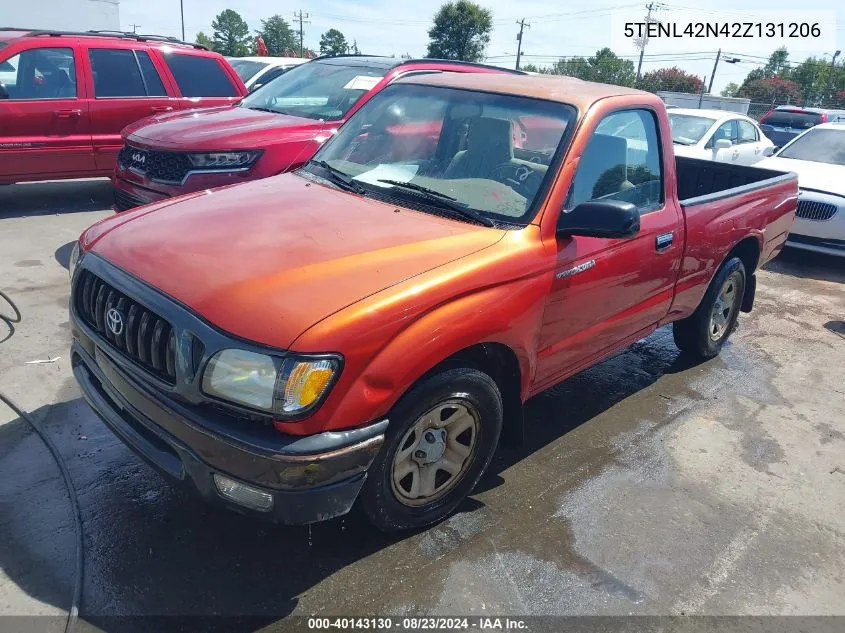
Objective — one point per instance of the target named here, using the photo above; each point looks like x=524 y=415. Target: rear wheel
x=706 y=330
x=442 y=436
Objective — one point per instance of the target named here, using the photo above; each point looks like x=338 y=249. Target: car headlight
x=75 y=256
x=223 y=160
x=286 y=387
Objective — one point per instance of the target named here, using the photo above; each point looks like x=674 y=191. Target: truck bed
x=701 y=181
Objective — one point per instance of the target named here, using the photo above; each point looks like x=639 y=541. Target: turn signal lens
x=306 y=383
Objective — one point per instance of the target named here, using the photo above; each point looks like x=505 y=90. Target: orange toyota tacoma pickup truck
x=368 y=327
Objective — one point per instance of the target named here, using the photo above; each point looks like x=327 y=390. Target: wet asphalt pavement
x=646 y=486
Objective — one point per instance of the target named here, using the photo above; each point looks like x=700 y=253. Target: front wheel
x=705 y=331
x=442 y=436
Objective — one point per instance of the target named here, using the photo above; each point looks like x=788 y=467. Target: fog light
x=242 y=494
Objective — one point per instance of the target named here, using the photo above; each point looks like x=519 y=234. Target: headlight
x=223 y=160
x=75 y=255
x=285 y=387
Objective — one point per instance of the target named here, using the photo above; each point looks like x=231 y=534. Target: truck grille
x=141 y=335
x=170 y=167
x=814 y=210
x=123 y=200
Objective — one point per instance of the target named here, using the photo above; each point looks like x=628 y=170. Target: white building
x=64 y=15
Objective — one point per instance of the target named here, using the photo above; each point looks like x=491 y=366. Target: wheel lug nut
x=419 y=454
x=429 y=437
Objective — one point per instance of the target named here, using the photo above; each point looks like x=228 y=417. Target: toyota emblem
x=114 y=321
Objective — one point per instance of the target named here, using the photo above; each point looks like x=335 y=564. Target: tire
x=453 y=398
x=703 y=334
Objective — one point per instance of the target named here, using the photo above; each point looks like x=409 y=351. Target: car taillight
x=823 y=117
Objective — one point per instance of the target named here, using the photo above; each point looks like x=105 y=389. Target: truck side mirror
x=723 y=143
x=600 y=218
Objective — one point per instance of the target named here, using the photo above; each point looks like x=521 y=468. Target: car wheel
x=706 y=330
x=441 y=438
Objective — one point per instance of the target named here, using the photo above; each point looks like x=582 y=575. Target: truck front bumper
x=303 y=480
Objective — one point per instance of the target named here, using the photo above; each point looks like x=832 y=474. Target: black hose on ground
x=73 y=612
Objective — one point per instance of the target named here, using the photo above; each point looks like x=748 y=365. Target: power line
x=644 y=39
x=301 y=19
x=522 y=26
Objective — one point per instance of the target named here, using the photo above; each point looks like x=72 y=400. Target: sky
x=577 y=27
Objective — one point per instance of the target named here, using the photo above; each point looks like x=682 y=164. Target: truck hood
x=228 y=127
x=811 y=175
x=268 y=259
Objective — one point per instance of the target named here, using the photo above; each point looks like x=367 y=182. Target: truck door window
x=621 y=162
x=40 y=73
x=200 y=76
x=121 y=72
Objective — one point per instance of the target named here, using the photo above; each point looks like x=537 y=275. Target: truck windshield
x=316 y=90
x=489 y=153
x=820 y=146
x=688 y=129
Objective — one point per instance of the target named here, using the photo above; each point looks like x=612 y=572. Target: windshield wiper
x=261 y=109
x=443 y=200
x=338 y=177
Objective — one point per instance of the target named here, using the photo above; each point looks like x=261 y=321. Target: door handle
x=664 y=241
x=161 y=109
x=68 y=114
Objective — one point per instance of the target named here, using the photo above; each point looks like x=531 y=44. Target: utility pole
x=301 y=19
x=522 y=26
x=182 y=14
x=830 y=74
x=651 y=6
x=134 y=27
x=713 y=75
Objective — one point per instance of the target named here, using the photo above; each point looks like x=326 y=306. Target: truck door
x=610 y=291
x=44 y=124
x=125 y=87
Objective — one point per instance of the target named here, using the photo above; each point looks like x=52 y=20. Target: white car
x=718 y=135
x=818 y=157
x=257 y=71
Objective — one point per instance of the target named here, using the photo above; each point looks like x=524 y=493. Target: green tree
x=778 y=64
x=671 y=79
x=278 y=36
x=461 y=31
x=730 y=90
x=774 y=90
x=204 y=40
x=354 y=48
x=604 y=67
x=333 y=42
x=231 y=34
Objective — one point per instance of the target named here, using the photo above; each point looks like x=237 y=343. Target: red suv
x=65 y=97
x=275 y=129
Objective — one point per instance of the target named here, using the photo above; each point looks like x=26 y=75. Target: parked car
x=275 y=129
x=727 y=137
x=66 y=96
x=784 y=123
x=368 y=326
x=257 y=71
x=818 y=157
